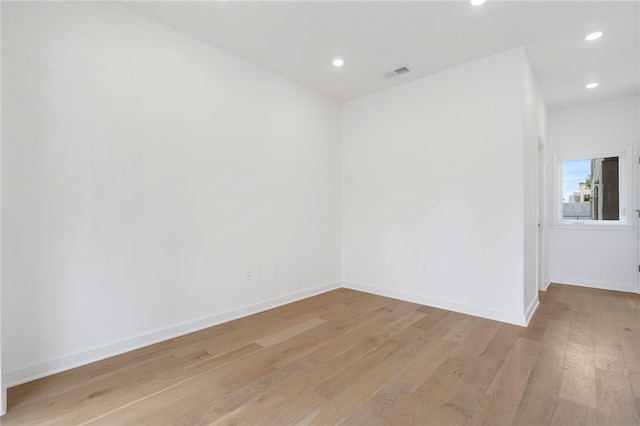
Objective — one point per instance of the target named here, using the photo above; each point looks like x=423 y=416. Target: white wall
x=596 y=257
x=142 y=173
x=432 y=174
x=534 y=237
x=3 y=388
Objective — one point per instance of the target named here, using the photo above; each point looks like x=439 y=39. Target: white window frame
x=624 y=186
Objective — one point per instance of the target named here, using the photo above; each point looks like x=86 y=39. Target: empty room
x=320 y=212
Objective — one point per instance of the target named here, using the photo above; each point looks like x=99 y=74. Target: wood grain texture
x=346 y=357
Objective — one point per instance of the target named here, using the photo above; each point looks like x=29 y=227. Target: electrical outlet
x=249 y=274
x=276 y=269
x=424 y=268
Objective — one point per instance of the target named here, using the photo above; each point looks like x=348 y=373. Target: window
x=590 y=189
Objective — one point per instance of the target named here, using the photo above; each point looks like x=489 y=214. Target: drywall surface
x=3 y=388
x=602 y=258
x=143 y=173
x=432 y=195
x=534 y=230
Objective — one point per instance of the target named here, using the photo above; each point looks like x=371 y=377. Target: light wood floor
x=355 y=358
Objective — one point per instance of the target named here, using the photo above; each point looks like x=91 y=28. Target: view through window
x=591 y=189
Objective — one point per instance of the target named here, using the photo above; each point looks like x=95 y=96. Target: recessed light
x=338 y=62
x=594 y=36
x=477 y=2
x=591 y=85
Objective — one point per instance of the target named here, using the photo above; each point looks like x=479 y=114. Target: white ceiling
x=299 y=39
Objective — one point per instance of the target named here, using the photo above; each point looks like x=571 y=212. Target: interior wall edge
x=449 y=305
x=68 y=362
x=533 y=307
x=603 y=285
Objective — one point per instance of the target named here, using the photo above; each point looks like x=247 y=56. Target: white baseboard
x=627 y=287
x=533 y=306
x=545 y=286
x=36 y=371
x=3 y=408
x=449 y=305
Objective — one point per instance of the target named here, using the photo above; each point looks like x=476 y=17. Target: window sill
x=594 y=226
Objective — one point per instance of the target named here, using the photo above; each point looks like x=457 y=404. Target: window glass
x=591 y=189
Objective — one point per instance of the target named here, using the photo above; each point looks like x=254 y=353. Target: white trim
x=542 y=231
x=479 y=311
x=36 y=371
x=547 y=282
x=3 y=383
x=627 y=287
x=595 y=225
x=533 y=307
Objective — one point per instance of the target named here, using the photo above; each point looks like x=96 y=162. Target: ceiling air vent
x=398 y=71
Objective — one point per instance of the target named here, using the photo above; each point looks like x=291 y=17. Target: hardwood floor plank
x=346 y=357
x=502 y=398
x=533 y=332
x=223 y=358
x=185 y=395
x=441 y=327
x=342 y=379
x=571 y=413
x=563 y=311
x=419 y=407
x=240 y=336
x=82 y=401
x=376 y=409
x=460 y=403
x=484 y=354
x=249 y=414
x=633 y=301
x=581 y=330
x=503 y=340
x=616 y=404
x=540 y=398
x=331 y=361
x=461 y=330
x=608 y=348
x=268 y=357
x=301 y=409
x=629 y=335
x=385 y=403
x=477 y=342
x=204 y=407
x=579 y=377
x=339 y=409
x=433 y=316
x=556 y=336
x=288 y=333
x=634 y=378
